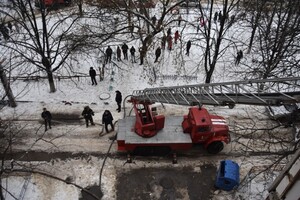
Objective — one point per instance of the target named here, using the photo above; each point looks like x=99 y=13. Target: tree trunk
x=51 y=82
x=47 y=65
x=7 y=88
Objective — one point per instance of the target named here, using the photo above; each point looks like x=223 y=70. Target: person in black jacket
x=157 y=53
x=188 y=46
x=118 y=100
x=88 y=114
x=132 y=53
x=46 y=115
x=108 y=55
x=107 y=119
x=93 y=76
x=125 y=51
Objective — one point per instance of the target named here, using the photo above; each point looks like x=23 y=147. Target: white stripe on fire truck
x=219 y=123
x=218 y=120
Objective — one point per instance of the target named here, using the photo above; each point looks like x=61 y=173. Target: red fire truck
x=149 y=130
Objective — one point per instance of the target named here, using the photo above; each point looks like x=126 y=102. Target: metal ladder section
x=272 y=92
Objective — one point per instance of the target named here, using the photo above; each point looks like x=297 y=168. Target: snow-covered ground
x=174 y=68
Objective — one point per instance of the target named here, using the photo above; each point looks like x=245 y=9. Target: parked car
x=190 y=3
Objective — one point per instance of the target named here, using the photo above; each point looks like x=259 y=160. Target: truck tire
x=215 y=147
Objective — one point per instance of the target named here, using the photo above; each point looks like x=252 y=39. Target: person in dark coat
x=153 y=19
x=239 y=56
x=93 y=76
x=125 y=51
x=170 y=43
x=118 y=100
x=46 y=115
x=179 y=20
x=169 y=31
x=118 y=54
x=157 y=53
x=216 y=17
x=142 y=55
x=188 y=46
x=220 y=16
x=163 y=41
x=132 y=53
x=176 y=36
x=88 y=114
x=4 y=31
x=107 y=119
x=108 y=54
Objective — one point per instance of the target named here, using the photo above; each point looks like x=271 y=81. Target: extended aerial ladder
x=267 y=92
x=177 y=133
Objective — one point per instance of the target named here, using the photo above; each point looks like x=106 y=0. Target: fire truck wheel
x=215 y=147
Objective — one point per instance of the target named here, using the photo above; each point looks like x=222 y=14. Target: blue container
x=228 y=176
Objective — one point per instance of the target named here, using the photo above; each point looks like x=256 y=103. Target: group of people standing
x=88 y=113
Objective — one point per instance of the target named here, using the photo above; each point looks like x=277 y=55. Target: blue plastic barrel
x=228 y=175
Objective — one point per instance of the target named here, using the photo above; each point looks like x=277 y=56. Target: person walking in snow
x=154 y=19
x=179 y=20
x=132 y=53
x=88 y=114
x=176 y=36
x=92 y=73
x=220 y=16
x=142 y=55
x=118 y=54
x=157 y=53
x=46 y=115
x=107 y=119
x=163 y=41
x=188 y=46
x=125 y=51
x=239 y=56
x=216 y=17
x=169 y=39
x=169 y=31
x=118 y=100
x=108 y=54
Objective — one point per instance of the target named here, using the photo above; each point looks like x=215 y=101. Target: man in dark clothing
x=107 y=119
x=4 y=31
x=169 y=31
x=118 y=100
x=216 y=17
x=132 y=53
x=118 y=54
x=108 y=54
x=125 y=50
x=46 y=115
x=153 y=19
x=93 y=76
x=188 y=46
x=179 y=20
x=157 y=53
x=88 y=114
x=239 y=56
x=220 y=16
x=142 y=55
x=163 y=41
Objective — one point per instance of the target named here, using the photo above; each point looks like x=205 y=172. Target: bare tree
x=40 y=36
x=278 y=39
x=214 y=34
